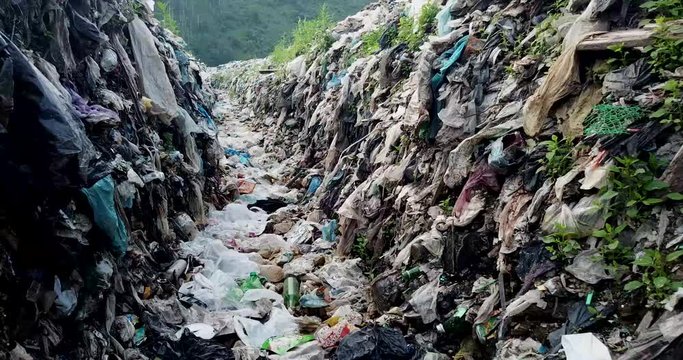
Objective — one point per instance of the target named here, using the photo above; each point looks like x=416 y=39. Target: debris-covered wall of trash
x=108 y=147
x=531 y=143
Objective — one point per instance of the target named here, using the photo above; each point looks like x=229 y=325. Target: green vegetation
x=656 y=270
x=447 y=206
x=360 y=248
x=622 y=57
x=671 y=111
x=413 y=35
x=612 y=252
x=371 y=42
x=559 y=158
x=166 y=17
x=218 y=31
x=664 y=8
x=308 y=36
x=633 y=186
x=543 y=45
x=666 y=52
x=562 y=244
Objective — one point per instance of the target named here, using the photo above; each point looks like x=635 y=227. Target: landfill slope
x=508 y=187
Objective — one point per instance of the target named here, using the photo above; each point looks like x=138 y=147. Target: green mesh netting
x=606 y=119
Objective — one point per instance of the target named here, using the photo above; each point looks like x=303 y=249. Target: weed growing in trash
x=360 y=248
x=446 y=206
x=633 y=186
x=613 y=253
x=541 y=46
x=559 y=158
x=671 y=111
x=664 y=8
x=407 y=32
x=622 y=57
x=562 y=244
x=656 y=269
x=309 y=35
x=666 y=51
x=371 y=42
x=166 y=17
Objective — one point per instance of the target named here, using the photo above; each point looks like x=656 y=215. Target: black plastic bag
x=375 y=343
x=44 y=134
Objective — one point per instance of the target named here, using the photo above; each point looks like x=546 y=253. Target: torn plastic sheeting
x=66 y=300
x=200 y=330
x=424 y=301
x=345 y=275
x=254 y=333
x=152 y=72
x=300 y=233
x=518 y=349
x=517 y=306
x=243 y=155
x=329 y=230
x=308 y=351
x=237 y=219
x=375 y=343
x=562 y=79
x=587 y=214
x=336 y=80
x=218 y=292
x=512 y=219
x=101 y=199
x=584 y=347
x=656 y=339
x=506 y=151
x=589 y=267
x=93 y=114
x=483 y=177
x=51 y=140
x=443 y=17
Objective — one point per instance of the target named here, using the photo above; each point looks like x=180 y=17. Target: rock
x=273 y=273
x=283 y=227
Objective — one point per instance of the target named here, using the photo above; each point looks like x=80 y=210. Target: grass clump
x=165 y=17
x=412 y=34
x=308 y=36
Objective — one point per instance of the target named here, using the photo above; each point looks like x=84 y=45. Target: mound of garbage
x=109 y=154
x=476 y=180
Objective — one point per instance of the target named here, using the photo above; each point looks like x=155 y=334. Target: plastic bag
x=254 y=333
x=152 y=72
x=101 y=199
x=282 y=344
x=584 y=347
x=66 y=300
x=375 y=343
x=252 y=282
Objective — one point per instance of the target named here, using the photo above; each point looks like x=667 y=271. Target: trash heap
x=500 y=180
x=109 y=155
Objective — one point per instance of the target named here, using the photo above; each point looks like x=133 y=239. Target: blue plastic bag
x=314 y=185
x=101 y=199
x=243 y=155
x=330 y=231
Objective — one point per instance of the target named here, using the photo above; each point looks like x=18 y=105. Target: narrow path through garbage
x=258 y=260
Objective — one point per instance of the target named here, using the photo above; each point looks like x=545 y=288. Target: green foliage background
x=218 y=31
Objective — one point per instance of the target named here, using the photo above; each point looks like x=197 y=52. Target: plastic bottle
x=411 y=274
x=291 y=292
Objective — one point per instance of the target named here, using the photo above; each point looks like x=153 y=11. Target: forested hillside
x=218 y=31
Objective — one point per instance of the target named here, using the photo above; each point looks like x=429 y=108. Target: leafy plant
x=664 y=8
x=166 y=17
x=655 y=279
x=621 y=57
x=562 y=244
x=666 y=51
x=671 y=111
x=542 y=44
x=371 y=42
x=360 y=248
x=446 y=206
x=413 y=35
x=308 y=36
x=559 y=158
x=612 y=252
x=632 y=186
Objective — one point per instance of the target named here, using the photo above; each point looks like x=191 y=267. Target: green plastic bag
x=252 y=282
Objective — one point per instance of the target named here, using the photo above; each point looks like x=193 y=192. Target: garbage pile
x=499 y=181
x=109 y=155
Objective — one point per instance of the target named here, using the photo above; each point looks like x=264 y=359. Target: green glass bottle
x=291 y=292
